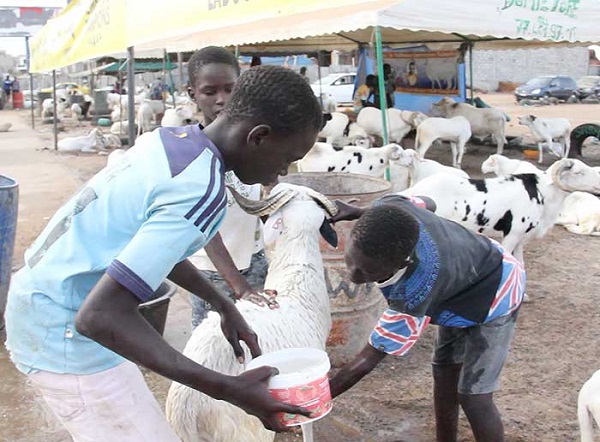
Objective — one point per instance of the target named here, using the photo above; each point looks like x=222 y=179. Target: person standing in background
x=234 y=260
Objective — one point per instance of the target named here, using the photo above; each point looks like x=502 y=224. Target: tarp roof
x=92 y=28
x=490 y=22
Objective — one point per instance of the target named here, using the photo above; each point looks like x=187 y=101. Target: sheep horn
x=557 y=169
x=263 y=207
x=323 y=201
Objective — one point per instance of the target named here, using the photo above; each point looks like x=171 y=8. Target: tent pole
x=319 y=74
x=237 y=52
x=131 y=96
x=170 y=71
x=381 y=84
x=27 y=51
x=180 y=66
x=471 y=68
x=55 y=109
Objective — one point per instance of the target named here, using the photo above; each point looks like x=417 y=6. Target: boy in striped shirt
x=432 y=270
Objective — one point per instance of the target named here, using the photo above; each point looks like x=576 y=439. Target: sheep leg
x=461 y=152
x=541 y=151
x=567 y=145
x=455 y=162
x=423 y=148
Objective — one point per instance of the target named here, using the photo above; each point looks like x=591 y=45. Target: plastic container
x=17 y=100
x=531 y=154
x=302 y=381
x=9 y=205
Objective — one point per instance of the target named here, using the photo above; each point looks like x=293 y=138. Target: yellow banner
x=179 y=16
x=86 y=29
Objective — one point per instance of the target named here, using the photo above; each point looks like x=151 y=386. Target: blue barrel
x=9 y=203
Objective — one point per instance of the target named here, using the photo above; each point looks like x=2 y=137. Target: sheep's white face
x=489 y=165
x=525 y=120
x=408 y=158
x=580 y=177
x=396 y=152
x=300 y=214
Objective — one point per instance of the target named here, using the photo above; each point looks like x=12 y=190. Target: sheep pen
x=547 y=365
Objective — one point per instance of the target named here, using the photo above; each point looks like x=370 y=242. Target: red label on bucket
x=314 y=396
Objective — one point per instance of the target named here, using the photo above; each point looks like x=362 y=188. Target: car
x=339 y=86
x=588 y=86
x=546 y=86
x=69 y=87
x=8 y=18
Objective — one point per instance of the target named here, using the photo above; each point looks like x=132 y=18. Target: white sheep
x=369 y=118
x=302 y=320
x=329 y=103
x=5 y=127
x=588 y=407
x=455 y=130
x=548 y=129
x=335 y=127
x=48 y=108
x=518 y=207
x=91 y=142
x=144 y=118
x=351 y=159
x=488 y=121
x=77 y=113
x=503 y=166
x=117 y=101
x=179 y=116
x=580 y=214
x=419 y=168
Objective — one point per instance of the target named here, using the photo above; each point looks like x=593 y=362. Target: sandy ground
x=555 y=349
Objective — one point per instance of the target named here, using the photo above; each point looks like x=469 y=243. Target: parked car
x=339 y=86
x=588 y=86
x=546 y=86
x=69 y=87
x=8 y=18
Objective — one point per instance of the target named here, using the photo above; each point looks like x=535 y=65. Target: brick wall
x=519 y=65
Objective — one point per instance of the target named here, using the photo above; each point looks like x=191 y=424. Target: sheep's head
x=490 y=165
x=361 y=141
x=392 y=151
x=570 y=175
x=417 y=118
x=292 y=208
x=408 y=157
x=526 y=120
x=442 y=107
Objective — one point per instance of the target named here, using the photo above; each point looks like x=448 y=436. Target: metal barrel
x=9 y=205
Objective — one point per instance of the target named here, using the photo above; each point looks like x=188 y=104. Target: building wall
x=519 y=65
x=8 y=63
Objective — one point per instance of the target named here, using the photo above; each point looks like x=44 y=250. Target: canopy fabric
x=525 y=22
x=92 y=28
x=85 y=29
x=138 y=67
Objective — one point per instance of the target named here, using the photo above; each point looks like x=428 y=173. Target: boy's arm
x=220 y=257
x=354 y=371
x=110 y=316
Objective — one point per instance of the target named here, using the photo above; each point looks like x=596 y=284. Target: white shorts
x=113 y=405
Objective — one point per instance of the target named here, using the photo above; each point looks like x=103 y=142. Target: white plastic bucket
x=302 y=381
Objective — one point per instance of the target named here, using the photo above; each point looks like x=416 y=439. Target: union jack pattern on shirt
x=397 y=332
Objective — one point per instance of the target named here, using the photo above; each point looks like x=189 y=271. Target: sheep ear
x=328 y=233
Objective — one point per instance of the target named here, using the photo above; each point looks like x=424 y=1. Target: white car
x=339 y=86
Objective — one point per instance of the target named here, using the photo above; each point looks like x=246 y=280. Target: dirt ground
x=556 y=347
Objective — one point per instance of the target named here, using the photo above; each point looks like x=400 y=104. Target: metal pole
x=131 y=96
x=381 y=84
x=55 y=109
x=319 y=74
x=237 y=52
x=27 y=51
x=180 y=65
x=471 y=69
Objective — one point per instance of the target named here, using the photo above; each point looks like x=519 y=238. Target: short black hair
x=276 y=96
x=209 y=55
x=386 y=233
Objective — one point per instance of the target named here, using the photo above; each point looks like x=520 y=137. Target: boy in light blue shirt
x=72 y=316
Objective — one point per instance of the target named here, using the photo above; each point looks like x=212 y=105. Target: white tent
x=490 y=22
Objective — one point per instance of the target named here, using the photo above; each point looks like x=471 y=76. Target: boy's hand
x=346 y=212
x=236 y=329
x=249 y=391
x=262 y=298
